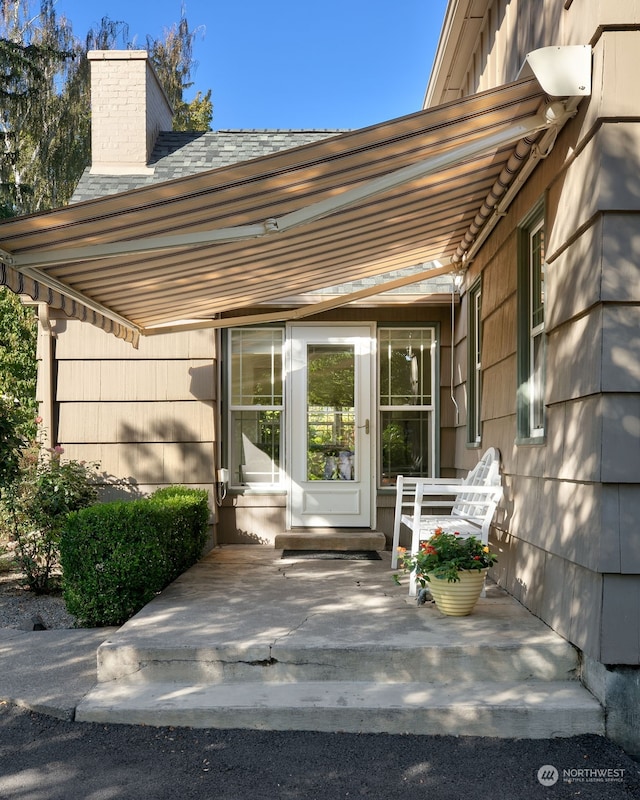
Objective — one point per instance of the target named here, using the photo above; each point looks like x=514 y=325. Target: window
x=406 y=381
x=474 y=380
x=255 y=406
x=531 y=331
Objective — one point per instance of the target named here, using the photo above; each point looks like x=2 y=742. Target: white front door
x=330 y=425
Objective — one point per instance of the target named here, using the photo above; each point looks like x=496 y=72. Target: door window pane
x=330 y=412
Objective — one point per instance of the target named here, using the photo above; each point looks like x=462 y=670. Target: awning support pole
x=301 y=312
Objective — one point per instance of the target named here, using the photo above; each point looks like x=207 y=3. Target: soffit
x=459 y=36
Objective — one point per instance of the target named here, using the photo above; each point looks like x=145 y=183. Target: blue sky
x=294 y=63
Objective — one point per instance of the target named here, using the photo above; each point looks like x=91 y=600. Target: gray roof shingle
x=177 y=155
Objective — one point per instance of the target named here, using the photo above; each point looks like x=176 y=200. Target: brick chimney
x=129 y=108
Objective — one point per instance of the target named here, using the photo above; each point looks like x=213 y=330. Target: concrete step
x=499 y=709
x=247 y=640
x=330 y=539
x=445 y=663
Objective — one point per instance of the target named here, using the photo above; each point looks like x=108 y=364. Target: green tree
x=45 y=99
x=196 y=115
x=45 y=140
x=35 y=506
x=11 y=444
x=41 y=143
x=18 y=373
x=109 y=35
x=173 y=60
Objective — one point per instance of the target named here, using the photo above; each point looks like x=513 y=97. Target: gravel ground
x=19 y=607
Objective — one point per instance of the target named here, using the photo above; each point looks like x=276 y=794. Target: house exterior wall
x=484 y=42
x=251 y=516
x=150 y=416
x=146 y=415
x=568 y=538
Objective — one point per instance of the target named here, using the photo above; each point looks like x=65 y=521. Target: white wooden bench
x=472 y=502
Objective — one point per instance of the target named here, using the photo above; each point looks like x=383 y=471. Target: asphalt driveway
x=43 y=758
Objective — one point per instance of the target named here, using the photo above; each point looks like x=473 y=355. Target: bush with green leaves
x=11 y=441
x=18 y=372
x=117 y=556
x=35 y=505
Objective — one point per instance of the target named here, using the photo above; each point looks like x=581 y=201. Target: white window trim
x=280 y=484
x=430 y=407
x=531 y=393
x=535 y=332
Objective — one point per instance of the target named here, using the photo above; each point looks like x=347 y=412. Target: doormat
x=327 y=555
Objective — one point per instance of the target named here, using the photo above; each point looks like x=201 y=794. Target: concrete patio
x=246 y=639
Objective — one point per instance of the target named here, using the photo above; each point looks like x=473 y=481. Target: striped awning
x=404 y=192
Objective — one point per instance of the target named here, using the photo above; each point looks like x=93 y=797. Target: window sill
x=529 y=441
x=243 y=490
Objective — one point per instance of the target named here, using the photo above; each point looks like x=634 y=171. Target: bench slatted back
x=485 y=473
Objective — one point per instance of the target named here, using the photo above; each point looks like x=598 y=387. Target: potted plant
x=454 y=567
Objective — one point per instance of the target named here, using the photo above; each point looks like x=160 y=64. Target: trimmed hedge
x=117 y=556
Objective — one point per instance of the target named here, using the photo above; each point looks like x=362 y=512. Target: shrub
x=11 y=442
x=35 y=506
x=117 y=556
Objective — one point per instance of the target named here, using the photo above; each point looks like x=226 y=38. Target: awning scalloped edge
x=22 y=284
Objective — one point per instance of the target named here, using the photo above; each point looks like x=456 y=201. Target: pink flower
x=38 y=420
